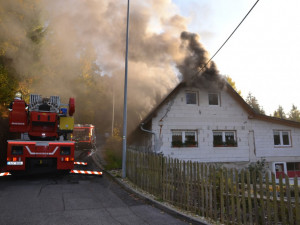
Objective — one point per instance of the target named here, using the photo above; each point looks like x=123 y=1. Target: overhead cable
x=229 y=36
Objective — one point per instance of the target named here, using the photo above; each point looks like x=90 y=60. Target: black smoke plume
x=195 y=68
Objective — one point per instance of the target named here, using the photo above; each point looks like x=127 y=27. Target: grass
x=113 y=160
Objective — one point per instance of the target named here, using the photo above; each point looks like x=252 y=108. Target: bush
x=113 y=153
x=258 y=167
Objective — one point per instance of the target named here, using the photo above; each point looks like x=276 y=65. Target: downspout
x=151 y=132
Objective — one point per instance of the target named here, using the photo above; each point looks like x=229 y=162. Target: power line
x=229 y=36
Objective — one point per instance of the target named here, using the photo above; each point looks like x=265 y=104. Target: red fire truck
x=84 y=136
x=44 y=127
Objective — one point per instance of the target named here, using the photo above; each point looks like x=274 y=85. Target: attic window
x=191 y=98
x=213 y=99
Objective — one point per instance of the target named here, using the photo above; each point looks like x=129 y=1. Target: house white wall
x=254 y=137
x=265 y=143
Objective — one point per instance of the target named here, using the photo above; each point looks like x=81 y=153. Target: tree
x=294 y=114
x=232 y=83
x=8 y=87
x=279 y=113
x=252 y=101
x=20 y=39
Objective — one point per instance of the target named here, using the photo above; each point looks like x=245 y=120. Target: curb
x=151 y=201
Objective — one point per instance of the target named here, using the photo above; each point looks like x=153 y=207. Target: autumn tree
x=20 y=39
x=8 y=86
x=232 y=83
x=253 y=102
x=279 y=113
x=294 y=114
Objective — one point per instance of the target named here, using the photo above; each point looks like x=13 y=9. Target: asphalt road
x=73 y=199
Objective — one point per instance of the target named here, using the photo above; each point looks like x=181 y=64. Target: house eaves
x=254 y=115
x=153 y=112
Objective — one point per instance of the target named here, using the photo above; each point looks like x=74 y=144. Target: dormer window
x=191 y=98
x=213 y=99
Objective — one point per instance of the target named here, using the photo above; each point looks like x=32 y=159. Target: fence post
x=210 y=192
x=269 y=219
x=261 y=198
x=202 y=191
x=237 y=194
x=232 y=194
x=206 y=191
x=181 y=190
x=215 y=203
x=198 y=188
x=296 y=191
x=222 y=211
x=255 y=197
x=177 y=181
x=227 y=215
x=289 y=202
x=249 y=190
x=275 y=208
x=173 y=180
x=187 y=184
x=194 y=187
x=244 y=215
x=282 y=205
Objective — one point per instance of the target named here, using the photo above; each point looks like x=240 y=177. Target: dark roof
x=251 y=112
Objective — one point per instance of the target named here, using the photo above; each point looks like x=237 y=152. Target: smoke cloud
x=82 y=53
x=195 y=69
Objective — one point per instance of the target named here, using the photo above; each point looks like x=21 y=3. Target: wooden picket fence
x=225 y=195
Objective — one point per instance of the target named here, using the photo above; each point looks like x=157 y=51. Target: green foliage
x=113 y=153
x=279 y=113
x=113 y=159
x=228 y=143
x=188 y=143
x=218 y=142
x=257 y=167
x=294 y=114
x=8 y=86
x=253 y=102
x=21 y=32
x=177 y=144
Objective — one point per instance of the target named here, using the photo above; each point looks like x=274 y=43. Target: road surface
x=74 y=199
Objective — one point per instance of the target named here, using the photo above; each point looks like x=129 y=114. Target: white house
x=220 y=127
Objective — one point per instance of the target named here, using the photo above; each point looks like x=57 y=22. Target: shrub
x=113 y=153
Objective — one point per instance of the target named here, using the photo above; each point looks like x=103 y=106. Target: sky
x=262 y=56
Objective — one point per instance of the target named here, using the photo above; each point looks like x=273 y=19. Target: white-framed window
x=224 y=138
x=282 y=138
x=191 y=97
x=184 y=138
x=213 y=99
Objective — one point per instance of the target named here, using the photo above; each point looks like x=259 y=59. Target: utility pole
x=125 y=99
x=113 y=112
